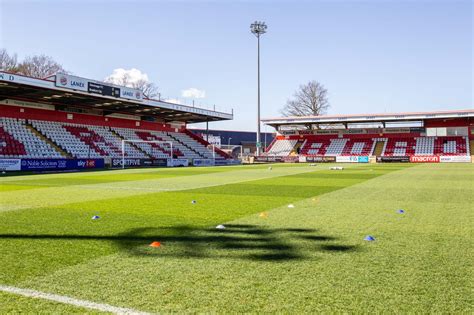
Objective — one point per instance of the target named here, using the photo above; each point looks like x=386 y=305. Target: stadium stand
x=89 y=138
x=282 y=147
x=364 y=145
x=17 y=140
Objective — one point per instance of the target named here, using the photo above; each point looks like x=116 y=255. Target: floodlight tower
x=258 y=28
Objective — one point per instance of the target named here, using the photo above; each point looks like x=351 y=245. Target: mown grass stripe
x=71 y=301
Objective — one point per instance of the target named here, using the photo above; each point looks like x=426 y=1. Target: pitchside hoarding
x=455 y=159
x=352 y=159
x=424 y=159
x=394 y=159
x=10 y=164
x=203 y=162
x=131 y=162
x=320 y=159
x=60 y=164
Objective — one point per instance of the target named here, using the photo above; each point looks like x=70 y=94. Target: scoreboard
x=101 y=89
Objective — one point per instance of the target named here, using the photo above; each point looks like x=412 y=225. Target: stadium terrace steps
x=51 y=143
x=379 y=147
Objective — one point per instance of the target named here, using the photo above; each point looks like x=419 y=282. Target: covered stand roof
x=63 y=90
x=369 y=118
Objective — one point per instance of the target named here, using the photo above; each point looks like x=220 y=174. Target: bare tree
x=40 y=66
x=148 y=89
x=8 y=62
x=311 y=99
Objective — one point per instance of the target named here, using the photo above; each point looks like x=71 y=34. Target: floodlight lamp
x=258 y=28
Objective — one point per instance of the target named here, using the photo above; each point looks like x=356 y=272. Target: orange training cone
x=155 y=244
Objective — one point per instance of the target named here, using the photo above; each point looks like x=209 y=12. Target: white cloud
x=193 y=93
x=125 y=77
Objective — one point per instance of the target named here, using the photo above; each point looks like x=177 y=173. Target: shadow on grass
x=236 y=241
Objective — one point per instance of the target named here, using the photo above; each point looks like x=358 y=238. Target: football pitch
x=293 y=242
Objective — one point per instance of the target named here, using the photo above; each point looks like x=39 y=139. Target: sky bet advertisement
x=95 y=87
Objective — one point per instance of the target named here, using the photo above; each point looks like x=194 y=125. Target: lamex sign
x=424 y=159
x=10 y=164
x=60 y=164
x=71 y=82
x=131 y=94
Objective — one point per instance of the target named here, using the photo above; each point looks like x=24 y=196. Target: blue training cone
x=401 y=211
x=369 y=238
x=96 y=217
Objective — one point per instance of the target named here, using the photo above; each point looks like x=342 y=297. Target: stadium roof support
x=69 y=91
x=369 y=118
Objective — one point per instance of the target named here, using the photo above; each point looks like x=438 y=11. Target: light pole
x=258 y=28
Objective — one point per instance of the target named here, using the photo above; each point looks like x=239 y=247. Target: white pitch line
x=71 y=301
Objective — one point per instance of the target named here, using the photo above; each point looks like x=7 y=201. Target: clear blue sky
x=373 y=56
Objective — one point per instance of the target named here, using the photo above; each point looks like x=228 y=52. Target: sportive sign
x=424 y=159
x=131 y=162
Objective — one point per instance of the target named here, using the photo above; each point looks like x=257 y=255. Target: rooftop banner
x=71 y=82
x=95 y=87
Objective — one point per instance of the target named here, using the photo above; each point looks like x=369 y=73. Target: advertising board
x=455 y=159
x=131 y=162
x=10 y=164
x=320 y=159
x=203 y=162
x=424 y=159
x=393 y=159
x=60 y=164
x=177 y=162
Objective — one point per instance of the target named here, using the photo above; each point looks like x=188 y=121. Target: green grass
x=310 y=258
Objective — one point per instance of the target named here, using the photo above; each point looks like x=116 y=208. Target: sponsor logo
x=455 y=159
x=63 y=80
x=77 y=84
x=424 y=159
x=401 y=159
x=10 y=164
x=7 y=77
